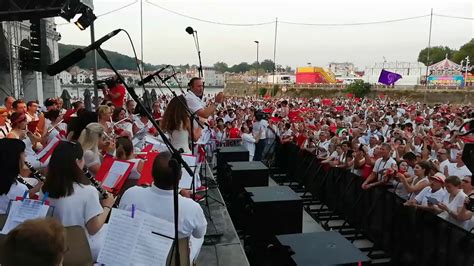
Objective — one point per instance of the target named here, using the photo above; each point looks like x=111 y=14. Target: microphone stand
x=192 y=118
x=176 y=160
x=198 y=49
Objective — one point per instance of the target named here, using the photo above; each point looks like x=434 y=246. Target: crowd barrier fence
x=411 y=236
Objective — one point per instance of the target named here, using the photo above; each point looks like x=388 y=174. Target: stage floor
x=226 y=249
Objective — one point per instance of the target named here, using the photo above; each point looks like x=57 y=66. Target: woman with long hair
x=76 y=202
x=93 y=139
x=177 y=124
x=413 y=185
x=12 y=159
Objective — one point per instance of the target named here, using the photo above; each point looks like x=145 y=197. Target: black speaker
x=230 y=154
x=275 y=210
x=248 y=174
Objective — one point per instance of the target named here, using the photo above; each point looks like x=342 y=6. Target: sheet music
x=21 y=211
x=117 y=170
x=131 y=241
x=186 y=179
x=157 y=143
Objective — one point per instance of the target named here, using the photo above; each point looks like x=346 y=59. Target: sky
x=166 y=42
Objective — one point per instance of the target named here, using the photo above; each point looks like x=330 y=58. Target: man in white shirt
x=194 y=102
x=434 y=191
x=458 y=168
x=157 y=200
x=377 y=177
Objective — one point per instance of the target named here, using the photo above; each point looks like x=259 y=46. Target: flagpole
x=428 y=55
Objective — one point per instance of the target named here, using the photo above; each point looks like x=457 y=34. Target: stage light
x=86 y=19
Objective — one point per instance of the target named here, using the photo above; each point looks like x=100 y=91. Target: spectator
x=35 y=242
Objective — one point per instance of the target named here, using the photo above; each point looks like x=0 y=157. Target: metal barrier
x=411 y=236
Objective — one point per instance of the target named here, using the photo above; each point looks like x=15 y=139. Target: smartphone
x=432 y=200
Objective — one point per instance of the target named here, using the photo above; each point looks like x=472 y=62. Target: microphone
x=150 y=77
x=190 y=30
x=77 y=55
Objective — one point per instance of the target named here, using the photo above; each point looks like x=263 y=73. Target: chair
x=184 y=253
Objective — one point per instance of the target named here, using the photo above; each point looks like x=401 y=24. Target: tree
x=359 y=88
x=437 y=53
x=267 y=64
x=240 y=68
x=465 y=50
x=221 y=67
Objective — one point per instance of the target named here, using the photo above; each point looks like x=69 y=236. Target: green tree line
x=438 y=53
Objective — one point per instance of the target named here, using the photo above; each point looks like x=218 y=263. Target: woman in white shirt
x=76 y=202
x=12 y=158
x=92 y=139
x=177 y=124
x=452 y=206
x=413 y=185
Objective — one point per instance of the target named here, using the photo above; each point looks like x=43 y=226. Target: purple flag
x=388 y=78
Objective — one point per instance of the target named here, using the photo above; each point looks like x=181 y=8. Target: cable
x=106 y=13
x=448 y=16
x=117 y=9
x=210 y=21
x=353 y=24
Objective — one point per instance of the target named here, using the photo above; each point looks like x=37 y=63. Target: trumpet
x=103 y=193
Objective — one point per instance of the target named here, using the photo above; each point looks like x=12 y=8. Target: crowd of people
x=414 y=147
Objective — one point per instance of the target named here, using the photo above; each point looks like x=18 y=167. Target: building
x=412 y=72
x=345 y=69
x=64 y=77
x=15 y=40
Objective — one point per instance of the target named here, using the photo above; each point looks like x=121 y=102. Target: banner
x=446 y=81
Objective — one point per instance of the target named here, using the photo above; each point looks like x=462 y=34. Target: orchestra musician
x=75 y=201
x=93 y=139
x=192 y=222
x=177 y=124
x=104 y=114
x=12 y=158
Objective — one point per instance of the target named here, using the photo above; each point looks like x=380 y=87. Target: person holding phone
x=430 y=195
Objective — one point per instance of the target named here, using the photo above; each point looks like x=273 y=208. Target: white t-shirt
x=381 y=165
x=159 y=203
x=458 y=171
x=77 y=209
x=262 y=124
x=421 y=198
x=91 y=158
x=248 y=141
x=16 y=190
x=454 y=205
x=193 y=102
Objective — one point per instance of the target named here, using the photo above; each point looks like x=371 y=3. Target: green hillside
x=118 y=60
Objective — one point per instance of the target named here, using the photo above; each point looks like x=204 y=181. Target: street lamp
x=258 y=65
